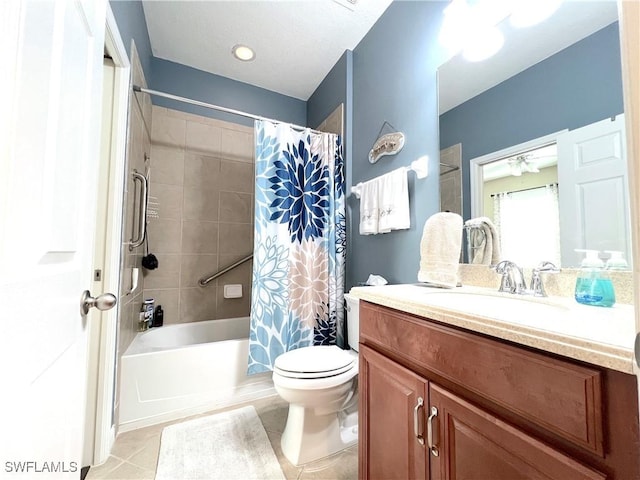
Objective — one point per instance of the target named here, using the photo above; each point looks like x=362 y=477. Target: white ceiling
x=297 y=42
x=460 y=80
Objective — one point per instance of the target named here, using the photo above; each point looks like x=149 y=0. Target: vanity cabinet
x=393 y=397
x=496 y=410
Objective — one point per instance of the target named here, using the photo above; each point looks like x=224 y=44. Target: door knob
x=105 y=301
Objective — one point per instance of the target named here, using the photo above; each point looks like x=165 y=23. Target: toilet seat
x=317 y=383
x=315 y=362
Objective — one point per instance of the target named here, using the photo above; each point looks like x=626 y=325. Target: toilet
x=321 y=385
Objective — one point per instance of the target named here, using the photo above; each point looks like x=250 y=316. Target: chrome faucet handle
x=501 y=268
x=547 y=266
x=519 y=283
x=537 y=286
x=512 y=277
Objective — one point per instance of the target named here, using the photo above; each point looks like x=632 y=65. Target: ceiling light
x=243 y=53
x=522 y=164
x=483 y=44
x=456 y=21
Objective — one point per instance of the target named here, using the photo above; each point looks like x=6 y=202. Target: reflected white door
x=594 y=192
x=49 y=139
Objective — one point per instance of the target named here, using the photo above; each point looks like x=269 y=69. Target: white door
x=594 y=192
x=49 y=136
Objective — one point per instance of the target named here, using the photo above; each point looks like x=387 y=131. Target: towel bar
x=420 y=166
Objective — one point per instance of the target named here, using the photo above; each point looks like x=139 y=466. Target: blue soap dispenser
x=593 y=285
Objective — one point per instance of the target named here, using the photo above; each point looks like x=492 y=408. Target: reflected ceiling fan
x=523 y=163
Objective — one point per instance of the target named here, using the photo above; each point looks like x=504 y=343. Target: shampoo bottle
x=158 y=317
x=593 y=285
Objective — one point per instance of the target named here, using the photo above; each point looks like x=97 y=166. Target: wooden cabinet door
x=474 y=445
x=390 y=397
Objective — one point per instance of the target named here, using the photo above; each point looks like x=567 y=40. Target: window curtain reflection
x=528 y=224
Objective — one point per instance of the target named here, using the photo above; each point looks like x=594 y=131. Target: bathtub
x=179 y=370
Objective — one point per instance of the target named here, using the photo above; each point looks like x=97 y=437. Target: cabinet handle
x=433 y=448
x=416 y=423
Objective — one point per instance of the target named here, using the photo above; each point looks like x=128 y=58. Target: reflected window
x=528 y=224
x=521 y=197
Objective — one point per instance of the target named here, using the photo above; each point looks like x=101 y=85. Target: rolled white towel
x=440 y=250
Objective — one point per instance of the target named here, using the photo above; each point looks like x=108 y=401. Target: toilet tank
x=352 y=311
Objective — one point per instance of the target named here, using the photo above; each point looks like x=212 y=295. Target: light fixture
x=522 y=164
x=473 y=25
x=243 y=53
x=457 y=20
x=470 y=26
x=483 y=44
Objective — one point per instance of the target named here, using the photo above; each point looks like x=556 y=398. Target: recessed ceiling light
x=244 y=53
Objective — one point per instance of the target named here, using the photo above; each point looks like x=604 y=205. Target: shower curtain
x=299 y=243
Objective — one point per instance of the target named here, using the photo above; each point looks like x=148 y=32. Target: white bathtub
x=179 y=370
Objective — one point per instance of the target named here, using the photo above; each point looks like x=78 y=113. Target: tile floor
x=135 y=454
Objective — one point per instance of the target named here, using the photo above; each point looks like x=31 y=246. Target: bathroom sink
x=499 y=306
x=512 y=316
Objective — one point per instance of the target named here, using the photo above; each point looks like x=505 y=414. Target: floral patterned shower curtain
x=299 y=243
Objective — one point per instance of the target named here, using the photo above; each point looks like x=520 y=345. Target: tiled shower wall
x=202 y=178
x=451 y=179
x=334 y=122
x=138 y=143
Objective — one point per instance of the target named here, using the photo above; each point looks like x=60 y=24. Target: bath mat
x=228 y=445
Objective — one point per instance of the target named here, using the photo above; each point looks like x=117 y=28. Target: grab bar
x=142 y=220
x=204 y=281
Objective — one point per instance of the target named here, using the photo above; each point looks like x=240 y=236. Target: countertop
x=596 y=335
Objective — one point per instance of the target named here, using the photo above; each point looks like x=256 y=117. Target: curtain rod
x=170 y=96
x=530 y=188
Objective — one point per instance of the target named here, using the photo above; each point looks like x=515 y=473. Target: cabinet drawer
x=560 y=396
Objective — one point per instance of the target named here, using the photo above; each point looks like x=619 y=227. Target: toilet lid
x=314 y=362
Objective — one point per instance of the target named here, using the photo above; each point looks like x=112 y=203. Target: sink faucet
x=512 y=277
x=537 y=287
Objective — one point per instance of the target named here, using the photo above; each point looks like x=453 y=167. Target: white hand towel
x=394 y=201
x=440 y=250
x=369 y=209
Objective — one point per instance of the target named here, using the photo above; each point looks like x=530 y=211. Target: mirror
x=548 y=84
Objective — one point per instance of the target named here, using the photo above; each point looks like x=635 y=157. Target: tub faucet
x=537 y=287
x=512 y=277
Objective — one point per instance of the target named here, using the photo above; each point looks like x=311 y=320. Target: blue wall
x=206 y=87
x=132 y=24
x=336 y=88
x=577 y=86
x=394 y=79
x=330 y=93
